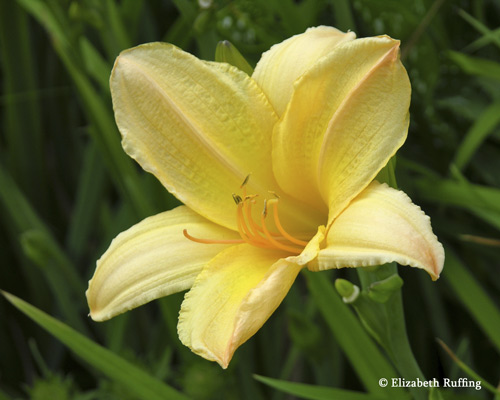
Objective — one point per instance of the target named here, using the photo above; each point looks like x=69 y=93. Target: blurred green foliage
x=67 y=188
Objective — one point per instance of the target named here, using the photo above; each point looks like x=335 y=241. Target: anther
x=237 y=199
x=245 y=181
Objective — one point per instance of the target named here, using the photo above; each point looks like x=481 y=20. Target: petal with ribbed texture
x=152 y=259
x=232 y=298
x=347 y=115
x=379 y=226
x=199 y=127
x=285 y=62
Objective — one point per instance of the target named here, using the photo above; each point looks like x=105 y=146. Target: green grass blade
x=344 y=20
x=364 y=355
x=116 y=368
x=21 y=117
x=98 y=111
x=474 y=297
x=91 y=185
x=469 y=371
x=21 y=214
x=40 y=247
x=480 y=27
x=482 y=127
x=312 y=392
x=117 y=26
x=482 y=201
x=42 y=12
x=476 y=66
x=3 y=396
x=96 y=66
x=25 y=219
x=486 y=39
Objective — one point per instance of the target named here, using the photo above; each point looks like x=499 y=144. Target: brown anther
x=237 y=199
x=251 y=197
x=245 y=181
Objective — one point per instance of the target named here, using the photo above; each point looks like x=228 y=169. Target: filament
x=211 y=241
x=251 y=232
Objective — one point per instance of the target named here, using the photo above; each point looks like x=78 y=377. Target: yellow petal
x=365 y=132
x=152 y=259
x=280 y=67
x=382 y=225
x=232 y=298
x=347 y=116
x=199 y=127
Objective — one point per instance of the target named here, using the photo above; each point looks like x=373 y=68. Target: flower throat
x=255 y=233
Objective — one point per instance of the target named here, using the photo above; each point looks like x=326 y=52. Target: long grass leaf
x=473 y=297
x=25 y=219
x=97 y=110
x=116 y=368
x=483 y=201
x=96 y=66
x=21 y=122
x=476 y=66
x=469 y=371
x=344 y=20
x=482 y=127
x=312 y=392
x=480 y=27
x=89 y=196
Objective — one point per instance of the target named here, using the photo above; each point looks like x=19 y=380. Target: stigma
x=255 y=231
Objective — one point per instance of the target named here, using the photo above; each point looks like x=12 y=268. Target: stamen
x=280 y=227
x=248 y=213
x=249 y=229
x=245 y=233
x=274 y=241
x=211 y=241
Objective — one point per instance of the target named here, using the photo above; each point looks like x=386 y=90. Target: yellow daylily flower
x=276 y=172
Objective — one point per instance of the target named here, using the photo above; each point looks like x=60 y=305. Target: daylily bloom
x=276 y=172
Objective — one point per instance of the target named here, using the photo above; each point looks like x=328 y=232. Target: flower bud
x=347 y=290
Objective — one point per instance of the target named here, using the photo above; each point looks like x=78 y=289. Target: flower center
x=255 y=232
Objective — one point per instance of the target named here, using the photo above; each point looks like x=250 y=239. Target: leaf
x=482 y=201
x=490 y=36
x=313 y=392
x=98 y=111
x=227 y=52
x=474 y=297
x=114 y=367
x=95 y=65
x=469 y=371
x=476 y=66
x=477 y=134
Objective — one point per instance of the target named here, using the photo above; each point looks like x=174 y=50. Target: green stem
x=395 y=340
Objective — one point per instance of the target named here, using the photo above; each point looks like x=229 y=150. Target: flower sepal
x=228 y=53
